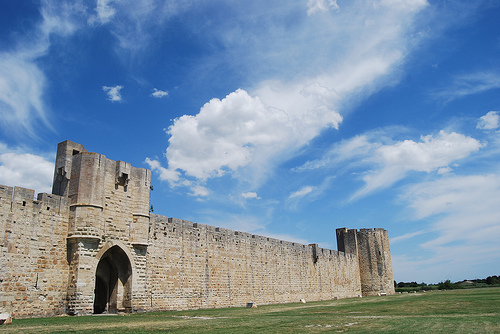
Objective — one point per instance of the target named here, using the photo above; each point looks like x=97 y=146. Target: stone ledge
x=141 y=215
x=87 y=204
x=140 y=244
x=83 y=236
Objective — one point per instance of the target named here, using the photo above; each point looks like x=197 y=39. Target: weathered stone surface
x=92 y=246
x=5 y=319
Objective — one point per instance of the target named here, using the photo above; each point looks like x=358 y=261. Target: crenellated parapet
x=17 y=200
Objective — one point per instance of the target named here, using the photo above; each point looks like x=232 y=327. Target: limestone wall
x=375 y=263
x=33 y=263
x=199 y=266
x=371 y=246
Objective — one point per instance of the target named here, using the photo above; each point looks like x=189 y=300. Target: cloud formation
x=314 y=6
x=385 y=162
x=113 y=93
x=22 y=83
x=236 y=132
x=301 y=192
x=158 y=93
x=464 y=215
x=25 y=170
x=490 y=121
x=250 y=194
x=428 y=155
x=247 y=133
x=470 y=84
x=104 y=12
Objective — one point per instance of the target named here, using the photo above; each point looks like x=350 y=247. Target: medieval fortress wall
x=92 y=247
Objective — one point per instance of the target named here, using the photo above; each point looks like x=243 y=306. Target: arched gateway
x=113 y=282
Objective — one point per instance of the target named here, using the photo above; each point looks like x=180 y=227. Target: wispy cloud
x=407 y=236
x=430 y=154
x=104 y=12
x=22 y=82
x=301 y=192
x=384 y=162
x=469 y=84
x=464 y=215
x=159 y=93
x=114 y=94
x=314 y=6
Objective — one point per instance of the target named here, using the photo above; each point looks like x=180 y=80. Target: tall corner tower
x=374 y=256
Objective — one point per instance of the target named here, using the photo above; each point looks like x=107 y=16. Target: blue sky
x=280 y=118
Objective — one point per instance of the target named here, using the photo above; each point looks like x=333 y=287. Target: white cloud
x=465 y=224
x=469 y=84
x=199 y=191
x=301 y=192
x=249 y=132
x=407 y=236
x=250 y=194
x=22 y=82
x=430 y=154
x=357 y=148
x=134 y=23
x=236 y=132
x=165 y=174
x=489 y=121
x=158 y=93
x=405 y=5
x=104 y=12
x=113 y=93
x=22 y=86
x=389 y=162
x=25 y=170
x=314 y=6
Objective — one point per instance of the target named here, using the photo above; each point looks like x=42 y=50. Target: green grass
x=456 y=311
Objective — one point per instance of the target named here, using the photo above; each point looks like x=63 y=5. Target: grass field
x=456 y=311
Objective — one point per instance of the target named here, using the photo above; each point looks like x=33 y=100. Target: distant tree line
x=448 y=285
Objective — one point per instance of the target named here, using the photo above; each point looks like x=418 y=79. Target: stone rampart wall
x=200 y=266
x=183 y=265
x=33 y=263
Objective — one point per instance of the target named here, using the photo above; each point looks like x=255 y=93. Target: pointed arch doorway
x=113 y=282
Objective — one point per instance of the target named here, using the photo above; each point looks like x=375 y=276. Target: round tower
x=374 y=257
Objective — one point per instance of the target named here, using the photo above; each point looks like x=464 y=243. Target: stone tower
x=107 y=232
x=374 y=256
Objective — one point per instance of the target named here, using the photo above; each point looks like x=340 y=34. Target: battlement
x=163 y=225
x=18 y=198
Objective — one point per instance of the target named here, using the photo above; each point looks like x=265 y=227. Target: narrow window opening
x=75 y=152
x=24 y=203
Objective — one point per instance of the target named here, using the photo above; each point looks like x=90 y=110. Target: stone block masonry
x=93 y=247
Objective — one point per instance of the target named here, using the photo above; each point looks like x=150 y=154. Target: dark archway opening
x=113 y=282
